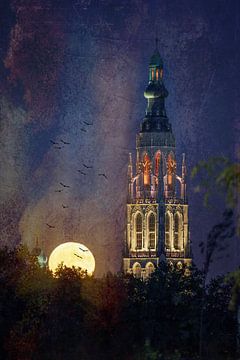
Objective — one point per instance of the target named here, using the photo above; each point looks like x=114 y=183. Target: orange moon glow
x=72 y=254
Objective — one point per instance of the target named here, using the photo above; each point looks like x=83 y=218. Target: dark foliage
x=72 y=316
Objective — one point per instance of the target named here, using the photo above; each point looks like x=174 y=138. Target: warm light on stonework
x=72 y=254
x=146 y=167
x=157 y=206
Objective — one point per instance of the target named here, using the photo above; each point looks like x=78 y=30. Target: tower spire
x=155 y=93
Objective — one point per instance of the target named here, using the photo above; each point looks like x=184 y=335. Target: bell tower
x=157 y=207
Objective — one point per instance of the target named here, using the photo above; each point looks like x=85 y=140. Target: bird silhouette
x=88 y=124
x=84 y=250
x=50 y=226
x=59 y=190
x=53 y=142
x=81 y=172
x=65 y=142
x=78 y=256
x=58 y=147
x=87 y=167
x=66 y=186
x=103 y=176
x=64 y=206
x=83 y=130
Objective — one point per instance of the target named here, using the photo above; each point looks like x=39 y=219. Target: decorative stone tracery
x=157 y=215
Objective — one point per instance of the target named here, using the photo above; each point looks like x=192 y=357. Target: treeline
x=72 y=316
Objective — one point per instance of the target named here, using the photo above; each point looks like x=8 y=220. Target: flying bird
x=50 y=226
x=103 y=176
x=87 y=167
x=66 y=186
x=78 y=256
x=58 y=147
x=83 y=130
x=65 y=142
x=64 y=206
x=60 y=190
x=81 y=172
x=53 y=142
x=84 y=250
x=88 y=124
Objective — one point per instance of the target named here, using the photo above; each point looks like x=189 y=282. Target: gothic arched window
x=177 y=231
x=171 y=169
x=157 y=162
x=137 y=270
x=146 y=169
x=179 y=265
x=151 y=231
x=149 y=268
x=152 y=72
x=167 y=231
x=139 y=231
x=157 y=74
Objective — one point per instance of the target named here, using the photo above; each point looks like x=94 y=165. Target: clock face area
x=72 y=254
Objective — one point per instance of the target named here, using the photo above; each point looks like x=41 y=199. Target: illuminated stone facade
x=157 y=208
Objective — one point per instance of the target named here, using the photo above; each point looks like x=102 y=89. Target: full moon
x=72 y=254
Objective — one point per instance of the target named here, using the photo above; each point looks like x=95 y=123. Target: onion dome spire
x=155 y=93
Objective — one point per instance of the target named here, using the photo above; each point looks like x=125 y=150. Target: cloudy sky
x=67 y=64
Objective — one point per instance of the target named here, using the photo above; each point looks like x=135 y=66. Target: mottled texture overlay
x=72 y=77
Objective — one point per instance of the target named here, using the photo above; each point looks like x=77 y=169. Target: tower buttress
x=161 y=210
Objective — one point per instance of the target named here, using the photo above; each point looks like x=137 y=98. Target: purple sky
x=87 y=61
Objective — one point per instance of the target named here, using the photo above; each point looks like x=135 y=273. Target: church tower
x=157 y=207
